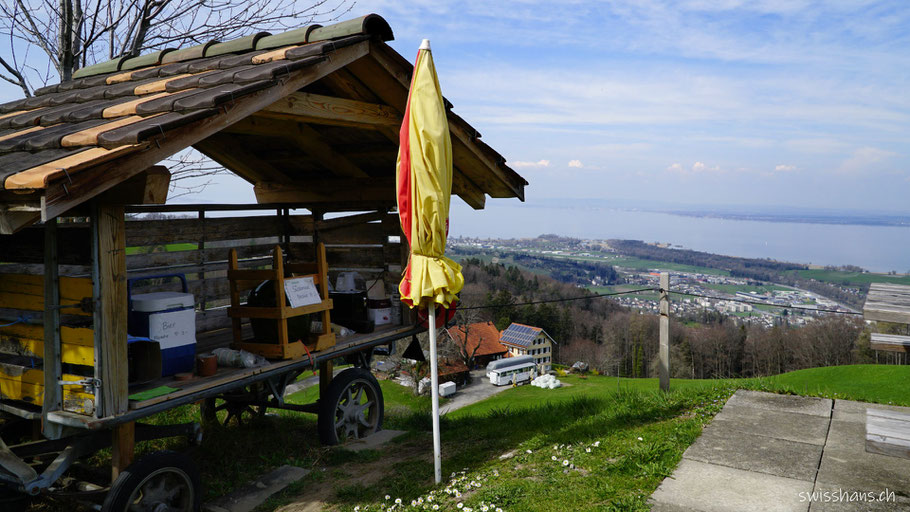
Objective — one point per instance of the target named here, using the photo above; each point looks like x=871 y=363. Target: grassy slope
x=863 y=382
x=618 y=474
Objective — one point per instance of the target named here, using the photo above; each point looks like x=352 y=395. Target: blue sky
x=791 y=103
x=794 y=103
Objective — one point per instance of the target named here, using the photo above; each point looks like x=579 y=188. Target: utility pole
x=664 y=350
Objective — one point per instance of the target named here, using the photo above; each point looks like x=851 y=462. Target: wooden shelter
x=309 y=117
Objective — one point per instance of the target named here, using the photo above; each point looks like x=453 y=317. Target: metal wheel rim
x=154 y=494
x=357 y=411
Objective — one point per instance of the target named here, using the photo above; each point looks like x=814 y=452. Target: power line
x=550 y=301
x=627 y=292
x=757 y=303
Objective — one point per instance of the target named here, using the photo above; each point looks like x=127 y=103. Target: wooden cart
x=309 y=118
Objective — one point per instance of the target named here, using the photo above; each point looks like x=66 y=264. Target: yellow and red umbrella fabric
x=424 y=189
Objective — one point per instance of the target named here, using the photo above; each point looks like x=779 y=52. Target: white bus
x=511 y=370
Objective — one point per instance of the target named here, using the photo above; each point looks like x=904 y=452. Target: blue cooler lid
x=162 y=301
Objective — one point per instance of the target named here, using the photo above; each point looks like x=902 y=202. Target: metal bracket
x=90 y=384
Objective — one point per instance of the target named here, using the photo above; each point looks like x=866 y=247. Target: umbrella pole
x=434 y=393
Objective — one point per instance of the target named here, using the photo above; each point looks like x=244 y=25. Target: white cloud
x=522 y=165
x=866 y=159
x=696 y=168
x=784 y=168
x=575 y=163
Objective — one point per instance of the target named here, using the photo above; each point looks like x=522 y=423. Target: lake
x=876 y=248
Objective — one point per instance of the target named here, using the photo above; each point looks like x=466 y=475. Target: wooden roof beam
x=227 y=151
x=466 y=189
x=304 y=136
x=318 y=109
x=351 y=190
x=15 y=216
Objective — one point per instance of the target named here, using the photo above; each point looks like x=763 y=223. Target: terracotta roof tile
x=483 y=333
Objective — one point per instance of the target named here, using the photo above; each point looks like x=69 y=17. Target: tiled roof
x=484 y=333
x=117 y=106
x=309 y=117
x=520 y=335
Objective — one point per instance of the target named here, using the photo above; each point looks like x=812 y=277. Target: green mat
x=152 y=393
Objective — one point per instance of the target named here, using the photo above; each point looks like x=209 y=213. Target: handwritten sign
x=301 y=291
x=173 y=328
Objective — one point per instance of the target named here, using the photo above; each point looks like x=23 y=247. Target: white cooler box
x=170 y=319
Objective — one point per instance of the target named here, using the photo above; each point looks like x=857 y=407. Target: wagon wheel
x=352 y=407
x=239 y=411
x=162 y=481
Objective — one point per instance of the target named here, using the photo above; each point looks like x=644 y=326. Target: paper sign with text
x=301 y=291
x=173 y=328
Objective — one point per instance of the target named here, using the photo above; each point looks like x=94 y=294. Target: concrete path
x=251 y=496
x=479 y=389
x=768 y=452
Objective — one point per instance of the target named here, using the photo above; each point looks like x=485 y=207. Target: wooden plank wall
x=196 y=245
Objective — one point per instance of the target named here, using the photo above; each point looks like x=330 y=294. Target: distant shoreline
x=885 y=221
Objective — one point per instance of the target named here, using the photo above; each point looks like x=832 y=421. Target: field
x=733 y=288
x=640 y=264
x=852 y=278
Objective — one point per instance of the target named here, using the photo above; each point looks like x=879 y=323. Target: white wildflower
x=588 y=450
x=565 y=462
x=640 y=439
x=387 y=497
x=460 y=505
x=398 y=501
x=528 y=451
x=596 y=444
x=554 y=457
x=435 y=507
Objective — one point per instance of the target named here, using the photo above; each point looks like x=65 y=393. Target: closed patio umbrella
x=424 y=188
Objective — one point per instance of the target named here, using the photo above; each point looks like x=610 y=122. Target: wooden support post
x=109 y=277
x=325 y=378
x=123 y=448
x=53 y=393
x=664 y=351
x=203 y=300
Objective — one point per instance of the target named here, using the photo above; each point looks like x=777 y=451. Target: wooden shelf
x=283 y=347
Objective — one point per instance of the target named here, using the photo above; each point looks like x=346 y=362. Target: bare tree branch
x=72 y=34
x=16 y=78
